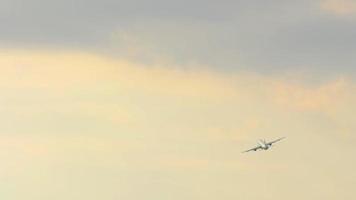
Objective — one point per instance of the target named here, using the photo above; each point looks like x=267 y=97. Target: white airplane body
x=263 y=145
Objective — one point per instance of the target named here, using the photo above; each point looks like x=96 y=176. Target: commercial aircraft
x=263 y=145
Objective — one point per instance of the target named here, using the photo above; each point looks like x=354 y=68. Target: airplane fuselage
x=263 y=145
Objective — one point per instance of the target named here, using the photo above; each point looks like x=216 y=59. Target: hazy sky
x=155 y=100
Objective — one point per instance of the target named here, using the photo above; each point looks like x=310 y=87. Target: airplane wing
x=253 y=149
x=275 y=141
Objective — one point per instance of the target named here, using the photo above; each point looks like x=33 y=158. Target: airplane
x=263 y=145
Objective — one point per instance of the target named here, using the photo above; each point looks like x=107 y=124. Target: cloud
x=84 y=84
x=65 y=71
x=339 y=7
x=306 y=98
x=73 y=119
x=240 y=35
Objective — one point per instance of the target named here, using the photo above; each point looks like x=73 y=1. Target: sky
x=157 y=99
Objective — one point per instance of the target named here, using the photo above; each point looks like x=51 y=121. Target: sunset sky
x=155 y=100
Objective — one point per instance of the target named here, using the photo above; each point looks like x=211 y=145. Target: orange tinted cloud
x=74 y=70
x=339 y=7
x=320 y=98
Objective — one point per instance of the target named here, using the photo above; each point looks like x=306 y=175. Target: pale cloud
x=333 y=100
x=60 y=71
x=339 y=7
x=323 y=98
x=73 y=82
x=78 y=125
